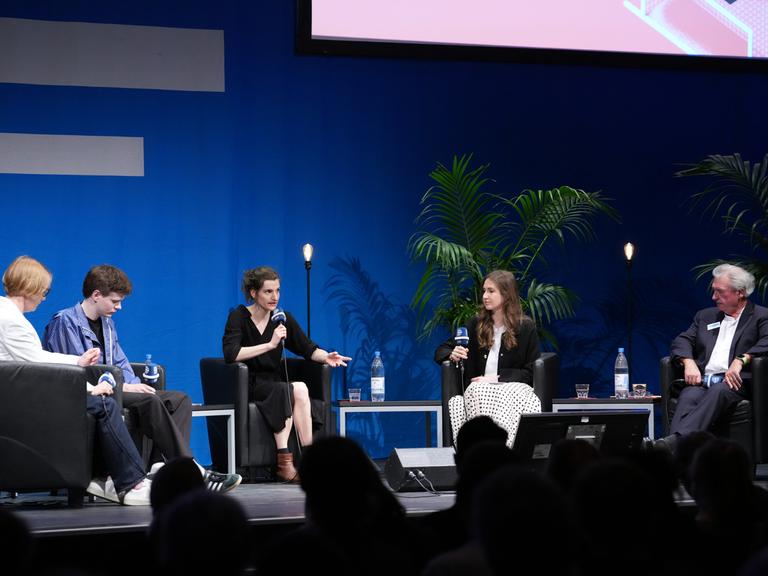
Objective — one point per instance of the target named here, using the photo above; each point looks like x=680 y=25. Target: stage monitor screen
x=613 y=433
x=732 y=29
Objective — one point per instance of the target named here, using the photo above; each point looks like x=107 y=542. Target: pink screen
x=701 y=27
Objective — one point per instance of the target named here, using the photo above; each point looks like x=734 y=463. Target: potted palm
x=738 y=194
x=464 y=232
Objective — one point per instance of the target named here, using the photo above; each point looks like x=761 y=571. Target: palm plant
x=465 y=232
x=738 y=193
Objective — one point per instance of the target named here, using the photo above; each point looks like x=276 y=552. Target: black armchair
x=546 y=375
x=746 y=424
x=255 y=450
x=46 y=434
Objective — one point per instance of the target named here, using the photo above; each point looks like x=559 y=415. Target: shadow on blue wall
x=589 y=342
x=371 y=320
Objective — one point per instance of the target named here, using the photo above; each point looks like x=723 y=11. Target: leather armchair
x=746 y=424
x=546 y=376
x=255 y=450
x=46 y=434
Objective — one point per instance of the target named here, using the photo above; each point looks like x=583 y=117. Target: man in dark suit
x=716 y=351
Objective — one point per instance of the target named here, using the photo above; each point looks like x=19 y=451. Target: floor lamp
x=629 y=252
x=307 y=249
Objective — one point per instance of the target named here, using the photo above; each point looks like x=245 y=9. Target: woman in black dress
x=253 y=338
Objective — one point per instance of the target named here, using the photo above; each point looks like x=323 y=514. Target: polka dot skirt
x=504 y=402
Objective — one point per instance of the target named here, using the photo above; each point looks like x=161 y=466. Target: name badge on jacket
x=713 y=326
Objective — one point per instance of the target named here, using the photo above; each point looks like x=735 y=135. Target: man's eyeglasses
x=46 y=292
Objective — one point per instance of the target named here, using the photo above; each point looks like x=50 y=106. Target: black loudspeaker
x=407 y=469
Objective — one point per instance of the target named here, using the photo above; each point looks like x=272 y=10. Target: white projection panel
x=732 y=28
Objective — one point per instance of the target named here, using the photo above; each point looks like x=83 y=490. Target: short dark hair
x=254 y=279
x=106 y=279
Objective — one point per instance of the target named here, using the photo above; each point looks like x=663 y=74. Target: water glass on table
x=354 y=394
x=639 y=390
x=582 y=391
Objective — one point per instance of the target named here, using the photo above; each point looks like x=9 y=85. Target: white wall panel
x=111 y=55
x=71 y=155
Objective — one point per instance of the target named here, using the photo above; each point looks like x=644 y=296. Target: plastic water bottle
x=621 y=375
x=150 y=373
x=377 y=378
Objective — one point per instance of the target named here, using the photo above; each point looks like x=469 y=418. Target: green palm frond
x=547 y=302
x=458 y=232
x=433 y=249
x=465 y=232
x=550 y=214
x=738 y=193
x=457 y=208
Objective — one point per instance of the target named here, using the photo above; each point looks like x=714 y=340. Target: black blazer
x=515 y=364
x=698 y=341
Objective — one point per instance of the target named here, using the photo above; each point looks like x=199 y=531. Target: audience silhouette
x=353 y=521
x=201 y=532
x=588 y=515
x=16 y=543
x=522 y=523
x=567 y=458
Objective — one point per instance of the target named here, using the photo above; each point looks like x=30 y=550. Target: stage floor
x=264 y=505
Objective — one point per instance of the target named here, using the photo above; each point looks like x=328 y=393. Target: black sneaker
x=216 y=482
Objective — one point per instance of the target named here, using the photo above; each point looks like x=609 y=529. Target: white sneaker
x=109 y=491
x=155 y=467
x=103 y=489
x=138 y=495
x=96 y=487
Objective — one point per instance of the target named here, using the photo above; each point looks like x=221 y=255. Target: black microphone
x=461 y=339
x=278 y=317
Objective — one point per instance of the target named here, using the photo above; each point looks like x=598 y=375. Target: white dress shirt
x=492 y=362
x=719 y=361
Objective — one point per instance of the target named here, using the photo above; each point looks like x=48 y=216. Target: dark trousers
x=165 y=417
x=117 y=450
x=698 y=407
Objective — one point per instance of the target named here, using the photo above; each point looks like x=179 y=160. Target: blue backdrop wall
x=336 y=152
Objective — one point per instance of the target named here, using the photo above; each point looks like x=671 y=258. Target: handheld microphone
x=108 y=378
x=278 y=316
x=462 y=339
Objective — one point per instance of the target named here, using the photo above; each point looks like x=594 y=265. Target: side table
x=227 y=410
x=647 y=404
x=428 y=407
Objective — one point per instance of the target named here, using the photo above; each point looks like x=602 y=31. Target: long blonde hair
x=513 y=311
